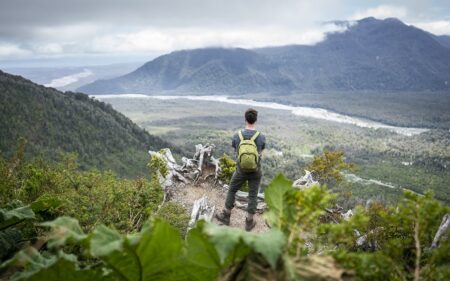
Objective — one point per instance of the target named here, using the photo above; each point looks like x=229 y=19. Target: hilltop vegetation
x=54 y=123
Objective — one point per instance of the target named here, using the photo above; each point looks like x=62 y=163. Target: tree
x=327 y=167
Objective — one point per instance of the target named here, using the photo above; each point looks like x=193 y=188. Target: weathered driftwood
x=191 y=169
x=203 y=153
x=306 y=181
x=443 y=228
x=174 y=170
x=204 y=156
x=201 y=210
x=364 y=242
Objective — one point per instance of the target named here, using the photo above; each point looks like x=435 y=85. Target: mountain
x=370 y=55
x=199 y=70
x=53 y=122
x=444 y=40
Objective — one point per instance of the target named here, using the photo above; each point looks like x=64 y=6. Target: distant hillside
x=373 y=54
x=200 y=70
x=53 y=122
x=376 y=55
x=444 y=40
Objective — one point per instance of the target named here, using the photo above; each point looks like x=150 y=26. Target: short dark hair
x=251 y=115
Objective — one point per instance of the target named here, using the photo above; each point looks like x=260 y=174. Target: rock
x=201 y=210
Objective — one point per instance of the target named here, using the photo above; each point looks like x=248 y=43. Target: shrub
x=327 y=167
x=175 y=215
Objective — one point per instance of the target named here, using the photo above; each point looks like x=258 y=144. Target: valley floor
x=379 y=154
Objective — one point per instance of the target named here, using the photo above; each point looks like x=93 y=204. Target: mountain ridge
x=372 y=54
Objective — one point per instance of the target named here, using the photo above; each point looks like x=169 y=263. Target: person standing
x=248 y=144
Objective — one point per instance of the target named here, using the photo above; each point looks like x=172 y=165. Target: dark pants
x=237 y=180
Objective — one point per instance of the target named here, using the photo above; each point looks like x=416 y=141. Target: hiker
x=248 y=144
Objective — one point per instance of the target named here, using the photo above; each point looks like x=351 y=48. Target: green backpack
x=248 y=155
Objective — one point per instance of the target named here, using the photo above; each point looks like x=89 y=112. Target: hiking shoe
x=224 y=217
x=249 y=224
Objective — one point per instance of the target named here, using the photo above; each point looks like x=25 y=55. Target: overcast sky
x=96 y=31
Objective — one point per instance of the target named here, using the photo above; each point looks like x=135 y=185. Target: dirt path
x=216 y=196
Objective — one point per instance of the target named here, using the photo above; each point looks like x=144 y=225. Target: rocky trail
x=215 y=194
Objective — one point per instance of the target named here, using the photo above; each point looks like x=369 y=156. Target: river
x=318 y=113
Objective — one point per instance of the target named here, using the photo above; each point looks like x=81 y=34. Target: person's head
x=251 y=116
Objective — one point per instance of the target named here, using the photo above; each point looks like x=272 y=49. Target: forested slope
x=53 y=122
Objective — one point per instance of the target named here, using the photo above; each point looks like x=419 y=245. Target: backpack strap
x=241 y=137
x=255 y=135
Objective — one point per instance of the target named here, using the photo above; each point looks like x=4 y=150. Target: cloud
x=154 y=40
x=50 y=48
x=381 y=12
x=8 y=50
x=52 y=28
x=436 y=27
x=85 y=40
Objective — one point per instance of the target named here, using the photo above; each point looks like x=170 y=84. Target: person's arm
x=263 y=146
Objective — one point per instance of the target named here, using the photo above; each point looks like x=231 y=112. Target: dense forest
x=53 y=122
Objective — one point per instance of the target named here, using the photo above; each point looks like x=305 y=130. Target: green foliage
x=45 y=267
x=226 y=240
x=227 y=169
x=157 y=167
x=301 y=245
x=203 y=259
x=14 y=222
x=175 y=215
x=275 y=199
x=399 y=237
x=92 y=197
x=327 y=167
x=54 y=122
x=11 y=217
x=157 y=252
x=296 y=212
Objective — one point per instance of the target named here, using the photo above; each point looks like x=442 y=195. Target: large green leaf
x=155 y=254
x=64 y=229
x=117 y=253
x=203 y=262
x=160 y=252
x=274 y=197
x=270 y=244
x=50 y=268
x=225 y=239
x=12 y=217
